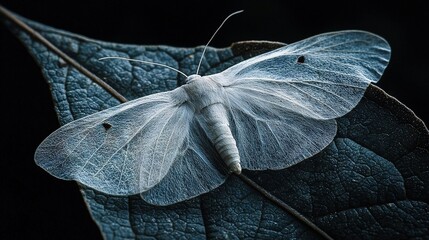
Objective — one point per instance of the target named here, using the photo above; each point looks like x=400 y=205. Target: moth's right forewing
x=122 y=150
x=283 y=103
x=321 y=77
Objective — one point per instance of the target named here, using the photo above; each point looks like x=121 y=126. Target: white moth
x=268 y=112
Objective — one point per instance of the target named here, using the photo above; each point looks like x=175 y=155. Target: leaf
x=371 y=182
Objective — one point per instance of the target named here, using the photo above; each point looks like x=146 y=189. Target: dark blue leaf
x=372 y=182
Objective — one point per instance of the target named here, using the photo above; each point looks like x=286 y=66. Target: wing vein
x=327 y=91
x=276 y=104
x=93 y=153
x=128 y=141
x=168 y=143
x=310 y=96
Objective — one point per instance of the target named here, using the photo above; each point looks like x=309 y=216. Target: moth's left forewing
x=122 y=150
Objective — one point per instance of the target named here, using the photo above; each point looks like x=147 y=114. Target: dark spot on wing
x=300 y=59
x=107 y=126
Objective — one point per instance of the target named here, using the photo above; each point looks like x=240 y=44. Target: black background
x=36 y=205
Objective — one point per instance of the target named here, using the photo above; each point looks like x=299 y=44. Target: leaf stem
x=37 y=36
x=283 y=206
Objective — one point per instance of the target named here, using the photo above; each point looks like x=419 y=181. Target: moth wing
x=123 y=150
x=275 y=138
x=197 y=170
x=322 y=77
x=283 y=103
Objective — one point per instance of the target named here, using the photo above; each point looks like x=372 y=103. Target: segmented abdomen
x=221 y=136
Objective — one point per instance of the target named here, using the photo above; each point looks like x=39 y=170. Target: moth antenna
x=145 y=62
x=205 y=47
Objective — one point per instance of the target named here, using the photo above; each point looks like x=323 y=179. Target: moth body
x=206 y=97
x=277 y=109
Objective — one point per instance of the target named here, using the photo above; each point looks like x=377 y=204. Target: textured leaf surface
x=371 y=182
